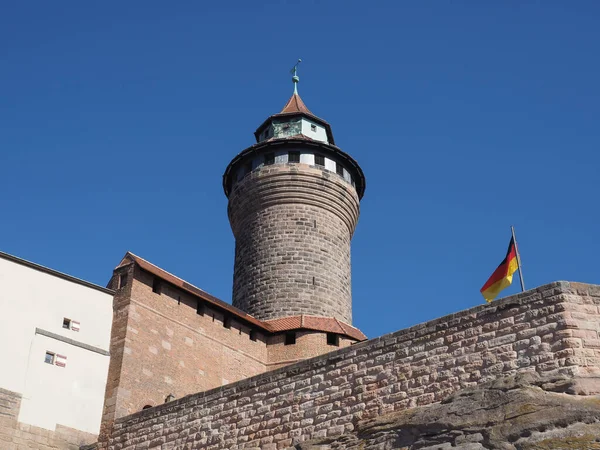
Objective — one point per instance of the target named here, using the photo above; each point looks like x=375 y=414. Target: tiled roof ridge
x=306 y=321
x=166 y=271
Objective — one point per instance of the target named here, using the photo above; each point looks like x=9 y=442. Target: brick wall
x=293 y=225
x=161 y=345
x=550 y=330
x=15 y=435
x=308 y=344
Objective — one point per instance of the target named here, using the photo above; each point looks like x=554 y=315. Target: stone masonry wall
x=160 y=345
x=164 y=347
x=293 y=225
x=549 y=330
x=15 y=435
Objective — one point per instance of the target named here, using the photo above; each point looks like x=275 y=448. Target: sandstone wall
x=169 y=348
x=293 y=225
x=552 y=330
x=15 y=435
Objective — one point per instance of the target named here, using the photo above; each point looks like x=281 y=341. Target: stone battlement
x=551 y=330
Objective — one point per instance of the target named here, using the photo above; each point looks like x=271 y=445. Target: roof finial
x=295 y=78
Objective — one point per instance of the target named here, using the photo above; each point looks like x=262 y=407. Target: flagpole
x=512 y=228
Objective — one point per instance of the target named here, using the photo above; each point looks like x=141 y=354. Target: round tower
x=293 y=207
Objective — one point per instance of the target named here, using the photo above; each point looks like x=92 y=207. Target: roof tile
x=317 y=323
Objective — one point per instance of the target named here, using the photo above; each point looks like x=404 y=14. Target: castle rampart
x=549 y=330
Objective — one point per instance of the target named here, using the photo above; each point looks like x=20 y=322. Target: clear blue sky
x=117 y=120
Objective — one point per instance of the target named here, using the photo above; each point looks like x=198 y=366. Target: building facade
x=54 y=342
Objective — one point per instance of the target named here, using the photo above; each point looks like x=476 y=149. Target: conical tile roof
x=295 y=105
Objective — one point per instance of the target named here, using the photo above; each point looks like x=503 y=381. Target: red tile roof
x=326 y=324
x=170 y=278
x=295 y=105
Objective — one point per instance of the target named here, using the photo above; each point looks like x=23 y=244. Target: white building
x=54 y=342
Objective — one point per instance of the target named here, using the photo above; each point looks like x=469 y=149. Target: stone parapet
x=551 y=330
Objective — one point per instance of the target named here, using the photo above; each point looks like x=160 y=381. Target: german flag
x=503 y=275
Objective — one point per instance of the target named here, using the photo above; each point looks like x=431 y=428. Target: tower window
x=67 y=323
x=313 y=127
x=122 y=280
x=319 y=160
x=200 y=308
x=227 y=322
x=339 y=169
x=269 y=159
x=49 y=358
x=290 y=338
x=252 y=335
x=156 y=287
x=294 y=157
x=333 y=339
x=248 y=167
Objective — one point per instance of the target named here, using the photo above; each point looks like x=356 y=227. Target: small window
x=156 y=287
x=294 y=157
x=67 y=323
x=252 y=335
x=49 y=359
x=313 y=127
x=290 y=338
x=227 y=322
x=122 y=280
x=319 y=160
x=339 y=169
x=200 y=308
x=269 y=159
x=147 y=407
x=333 y=339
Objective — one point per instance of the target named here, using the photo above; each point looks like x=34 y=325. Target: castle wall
x=171 y=349
x=293 y=225
x=308 y=345
x=549 y=330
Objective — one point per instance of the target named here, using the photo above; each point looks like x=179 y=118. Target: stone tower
x=293 y=207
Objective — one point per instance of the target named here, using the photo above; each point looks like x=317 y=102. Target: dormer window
x=313 y=128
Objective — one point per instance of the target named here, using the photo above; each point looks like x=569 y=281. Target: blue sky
x=117 y=120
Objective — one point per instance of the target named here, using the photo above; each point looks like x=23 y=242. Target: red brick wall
x=160 y=345
x=170 y=349
x=308 y=344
